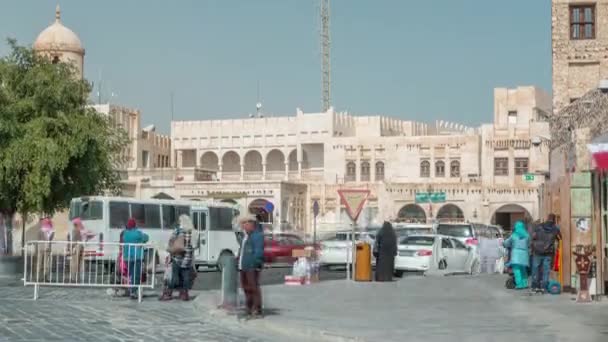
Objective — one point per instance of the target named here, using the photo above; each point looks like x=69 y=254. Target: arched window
x=455 y=168
x=440 y=169
x=365 y=171
x=379 y=171
x=351 y=172
x=425 y=169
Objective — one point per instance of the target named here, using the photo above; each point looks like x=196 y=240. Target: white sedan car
x=423 y=252
x=337 y=250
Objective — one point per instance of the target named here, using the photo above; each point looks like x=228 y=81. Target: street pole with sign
x=315 y=212
x=353 y=201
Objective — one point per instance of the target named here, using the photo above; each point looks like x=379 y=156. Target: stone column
x=219 y=172
x=287 y=170
x=358 y=166
x=264 y=171
x=180 y=159
x=372 y=169
x=242 y=171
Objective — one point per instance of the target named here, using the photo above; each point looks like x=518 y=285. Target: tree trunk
x=6 y=233
x=23 y=219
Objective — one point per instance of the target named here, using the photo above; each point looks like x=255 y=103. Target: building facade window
x=351 y=172
x=440 y=169
x=582 y=21
x=512 y=117
x=501 y=166
x=455 y=168
x=379 y=171
x=521 y=166
x=365 y=171
x=425 y=169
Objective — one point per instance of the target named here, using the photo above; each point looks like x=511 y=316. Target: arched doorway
x=275 y=161
x=231 y=162
x=411 y=213
x=450 y=212
x=506 y=216
x=210 y=161
x=262 y=208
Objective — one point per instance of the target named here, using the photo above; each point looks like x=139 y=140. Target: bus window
x=92 y=210
x=203 y=223
x=146 y=215
x=182 y=210
x=119 y=214
x=74 y=209
x=169 y=218
x=221 y=218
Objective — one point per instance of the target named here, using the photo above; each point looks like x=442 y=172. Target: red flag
x=556 y=263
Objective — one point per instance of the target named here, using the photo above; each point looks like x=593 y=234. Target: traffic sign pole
x=353 y=200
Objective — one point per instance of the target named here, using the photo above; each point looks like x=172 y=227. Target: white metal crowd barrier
x=80 y=264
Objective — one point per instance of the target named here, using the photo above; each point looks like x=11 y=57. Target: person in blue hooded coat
x=519 y=243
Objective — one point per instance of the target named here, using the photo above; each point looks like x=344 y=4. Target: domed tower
x=60 y=44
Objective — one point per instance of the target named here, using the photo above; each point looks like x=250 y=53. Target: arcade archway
x=508 y=214
x=411 y=213
x=450 y=212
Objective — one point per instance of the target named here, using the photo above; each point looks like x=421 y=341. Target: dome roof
x=58 y=37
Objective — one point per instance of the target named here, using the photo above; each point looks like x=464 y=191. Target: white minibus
x=106 y=217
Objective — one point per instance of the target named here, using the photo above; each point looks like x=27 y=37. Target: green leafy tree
x=53 y=147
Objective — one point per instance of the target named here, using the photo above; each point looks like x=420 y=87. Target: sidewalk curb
x=289 y=330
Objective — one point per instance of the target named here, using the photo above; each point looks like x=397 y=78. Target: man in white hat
x=251 y=262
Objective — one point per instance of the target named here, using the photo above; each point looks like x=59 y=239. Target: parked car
x=334 y=250
x=485 y=240
x=470 y=233
x=279 y=247
x=403 y=230
x=422 y=252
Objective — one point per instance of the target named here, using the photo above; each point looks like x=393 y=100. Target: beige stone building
x=580 y=48
x=280 y=165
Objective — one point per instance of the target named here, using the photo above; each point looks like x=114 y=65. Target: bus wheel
x=223 y=259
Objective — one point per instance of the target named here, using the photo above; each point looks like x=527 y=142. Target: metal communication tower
x=325 y=56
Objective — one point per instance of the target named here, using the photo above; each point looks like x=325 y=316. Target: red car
x=279 y=247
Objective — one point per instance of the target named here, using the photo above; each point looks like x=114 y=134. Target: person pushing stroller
x=519 y=260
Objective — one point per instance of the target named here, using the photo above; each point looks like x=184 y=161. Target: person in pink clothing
x=79 y=236
x=43 y=250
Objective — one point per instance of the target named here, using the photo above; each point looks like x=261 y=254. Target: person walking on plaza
x=133 y=254
x=44 y=249
x=181 y=267
x=519 y=244
x=250 y=263
x=78 y=236
x=543 y=249
x=385 y=251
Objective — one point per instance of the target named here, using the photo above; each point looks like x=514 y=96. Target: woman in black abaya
x=385 y=252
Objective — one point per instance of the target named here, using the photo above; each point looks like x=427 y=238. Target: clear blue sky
x=421 y=60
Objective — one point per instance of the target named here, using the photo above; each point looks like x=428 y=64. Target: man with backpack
x=543 y=249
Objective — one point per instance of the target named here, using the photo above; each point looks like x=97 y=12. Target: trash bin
x=363 y=266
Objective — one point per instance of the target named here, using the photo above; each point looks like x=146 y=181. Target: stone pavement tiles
x=453 y=308
x=76 y=314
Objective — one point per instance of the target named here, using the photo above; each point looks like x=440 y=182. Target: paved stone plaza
x=92 y=315
x=438 y=308
x=432 y=308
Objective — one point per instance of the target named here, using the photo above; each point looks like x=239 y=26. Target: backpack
x=544 y=242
